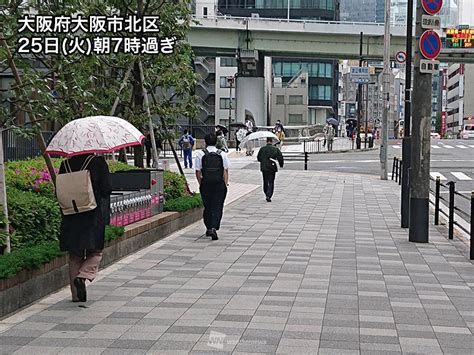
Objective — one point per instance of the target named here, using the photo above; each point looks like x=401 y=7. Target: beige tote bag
x=74 y=189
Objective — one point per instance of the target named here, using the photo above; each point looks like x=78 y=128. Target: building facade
x=362 y=10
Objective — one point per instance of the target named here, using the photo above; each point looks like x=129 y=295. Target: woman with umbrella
x=83 y=224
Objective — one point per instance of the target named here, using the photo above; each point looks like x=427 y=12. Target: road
x=452 y=160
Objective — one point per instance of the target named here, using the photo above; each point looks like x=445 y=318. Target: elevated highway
x=222 y=35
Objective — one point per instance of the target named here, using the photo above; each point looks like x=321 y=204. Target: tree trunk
x=138 y=156
x=123 y=156
x=3 y=197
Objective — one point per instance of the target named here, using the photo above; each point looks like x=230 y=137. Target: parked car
x=435 y=135
x=468 y=131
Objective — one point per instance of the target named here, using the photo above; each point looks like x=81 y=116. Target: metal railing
x=303 y=157
x=17 y=147
x=453 y=214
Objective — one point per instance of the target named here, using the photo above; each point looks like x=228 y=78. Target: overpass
x=222 y=35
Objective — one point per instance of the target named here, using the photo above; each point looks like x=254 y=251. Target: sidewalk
x=323 y=269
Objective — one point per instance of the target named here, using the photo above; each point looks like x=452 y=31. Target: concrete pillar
x=250 y=99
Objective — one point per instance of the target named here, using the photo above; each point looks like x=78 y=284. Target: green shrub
x=28 y=258
x=116 y=165
x=33 y=218
x=113 y=232
x=184 y=203
x=174 y=185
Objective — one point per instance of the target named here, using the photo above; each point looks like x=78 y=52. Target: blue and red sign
x=432 y=7
x=430 y=45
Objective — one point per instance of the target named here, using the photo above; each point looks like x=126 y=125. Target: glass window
x=296 y=100
x=287 y=69
x=224 y=103
x=320 y=92
x=224 y=83
x=277 y=69
x=228 y=62
x=280 y=99
x=295 y=118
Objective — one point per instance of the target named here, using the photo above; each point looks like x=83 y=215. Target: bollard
x=400 y=172
x=304 y=146
x=396 y=171
x=306 y=158
x=472 y=225
x=452 y=186
x=437 y=189
x=393 y=167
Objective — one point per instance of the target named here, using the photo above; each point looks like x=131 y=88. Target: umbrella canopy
x=332 y=121
x=348 y=120
x=96 y=134
x=257 y=139
x=222 y=128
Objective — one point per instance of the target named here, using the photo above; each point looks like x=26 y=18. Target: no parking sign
x=430 y=45
x=432 y=7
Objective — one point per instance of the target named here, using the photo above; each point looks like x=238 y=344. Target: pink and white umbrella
x=96 y=134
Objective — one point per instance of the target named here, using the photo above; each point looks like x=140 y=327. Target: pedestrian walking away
x=329 y=133
x=84 y=220
x=186 y=142
x=212 y=173
x=268 y=156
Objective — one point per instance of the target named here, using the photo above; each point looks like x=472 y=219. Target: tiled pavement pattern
x=323 y=269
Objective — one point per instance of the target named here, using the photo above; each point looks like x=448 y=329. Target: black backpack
x=212 y=167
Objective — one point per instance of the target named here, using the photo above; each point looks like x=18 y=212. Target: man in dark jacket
x=82 y=234
x=268 y=156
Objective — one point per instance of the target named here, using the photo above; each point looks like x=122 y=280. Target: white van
x=468 y=131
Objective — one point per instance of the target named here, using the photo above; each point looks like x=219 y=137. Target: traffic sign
x=430 y=22
x=360 y=75
x=401 y=57
x=432 y=7
x=430 y=45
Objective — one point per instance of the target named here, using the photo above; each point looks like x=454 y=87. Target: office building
x=362 y=10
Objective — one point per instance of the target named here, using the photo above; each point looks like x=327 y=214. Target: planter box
x=30 y=285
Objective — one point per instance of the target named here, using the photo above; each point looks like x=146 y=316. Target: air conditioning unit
x=253 y=15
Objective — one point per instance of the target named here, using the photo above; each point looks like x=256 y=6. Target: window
x=228 y=62
x=224 y=103
x=325 y=70
x=224 y=82
x=296 y=99
x=320 y=92
x=280 y=99
x=295 y=118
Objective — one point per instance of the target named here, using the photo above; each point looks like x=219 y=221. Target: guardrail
x=451 y=211
x=303 y=157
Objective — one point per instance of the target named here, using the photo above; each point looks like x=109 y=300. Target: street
x=452 y=160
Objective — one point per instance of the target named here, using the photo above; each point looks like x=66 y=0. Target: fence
x=17 y=147
x=303 y=157
x=451 y=210
x=320 y=145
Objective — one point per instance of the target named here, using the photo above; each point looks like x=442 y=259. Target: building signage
x=360 y=75
x=430 y=22
x=430 y=45
x=459 y=38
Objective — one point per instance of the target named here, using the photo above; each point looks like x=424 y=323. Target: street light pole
x=386 y=94
x=406 y=143
x=359 y=94
x=288 y=12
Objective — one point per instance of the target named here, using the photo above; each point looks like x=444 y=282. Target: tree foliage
x=62 y=88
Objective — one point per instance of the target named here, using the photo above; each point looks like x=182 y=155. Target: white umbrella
x=96 y=134
x=258 y=139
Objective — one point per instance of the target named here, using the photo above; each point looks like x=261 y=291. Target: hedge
x=184 y=203
x=32 y=257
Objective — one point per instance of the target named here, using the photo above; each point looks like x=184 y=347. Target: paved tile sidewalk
x=323 y=269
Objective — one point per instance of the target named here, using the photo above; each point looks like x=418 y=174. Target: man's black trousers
x=268 y=183
x=213 y=197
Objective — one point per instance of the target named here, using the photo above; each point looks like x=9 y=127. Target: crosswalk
x=443 y=146
x=452 y=176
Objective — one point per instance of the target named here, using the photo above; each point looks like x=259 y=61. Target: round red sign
x=432 y=7
x=430 y=44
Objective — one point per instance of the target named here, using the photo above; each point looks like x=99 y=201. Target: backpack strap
x=87 y=162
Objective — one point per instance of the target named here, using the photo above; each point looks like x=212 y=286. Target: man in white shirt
x=212 y=174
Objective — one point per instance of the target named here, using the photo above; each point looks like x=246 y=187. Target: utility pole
x=359 y=94
x=406 y=143
x=386 y=94
x=421 y=115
